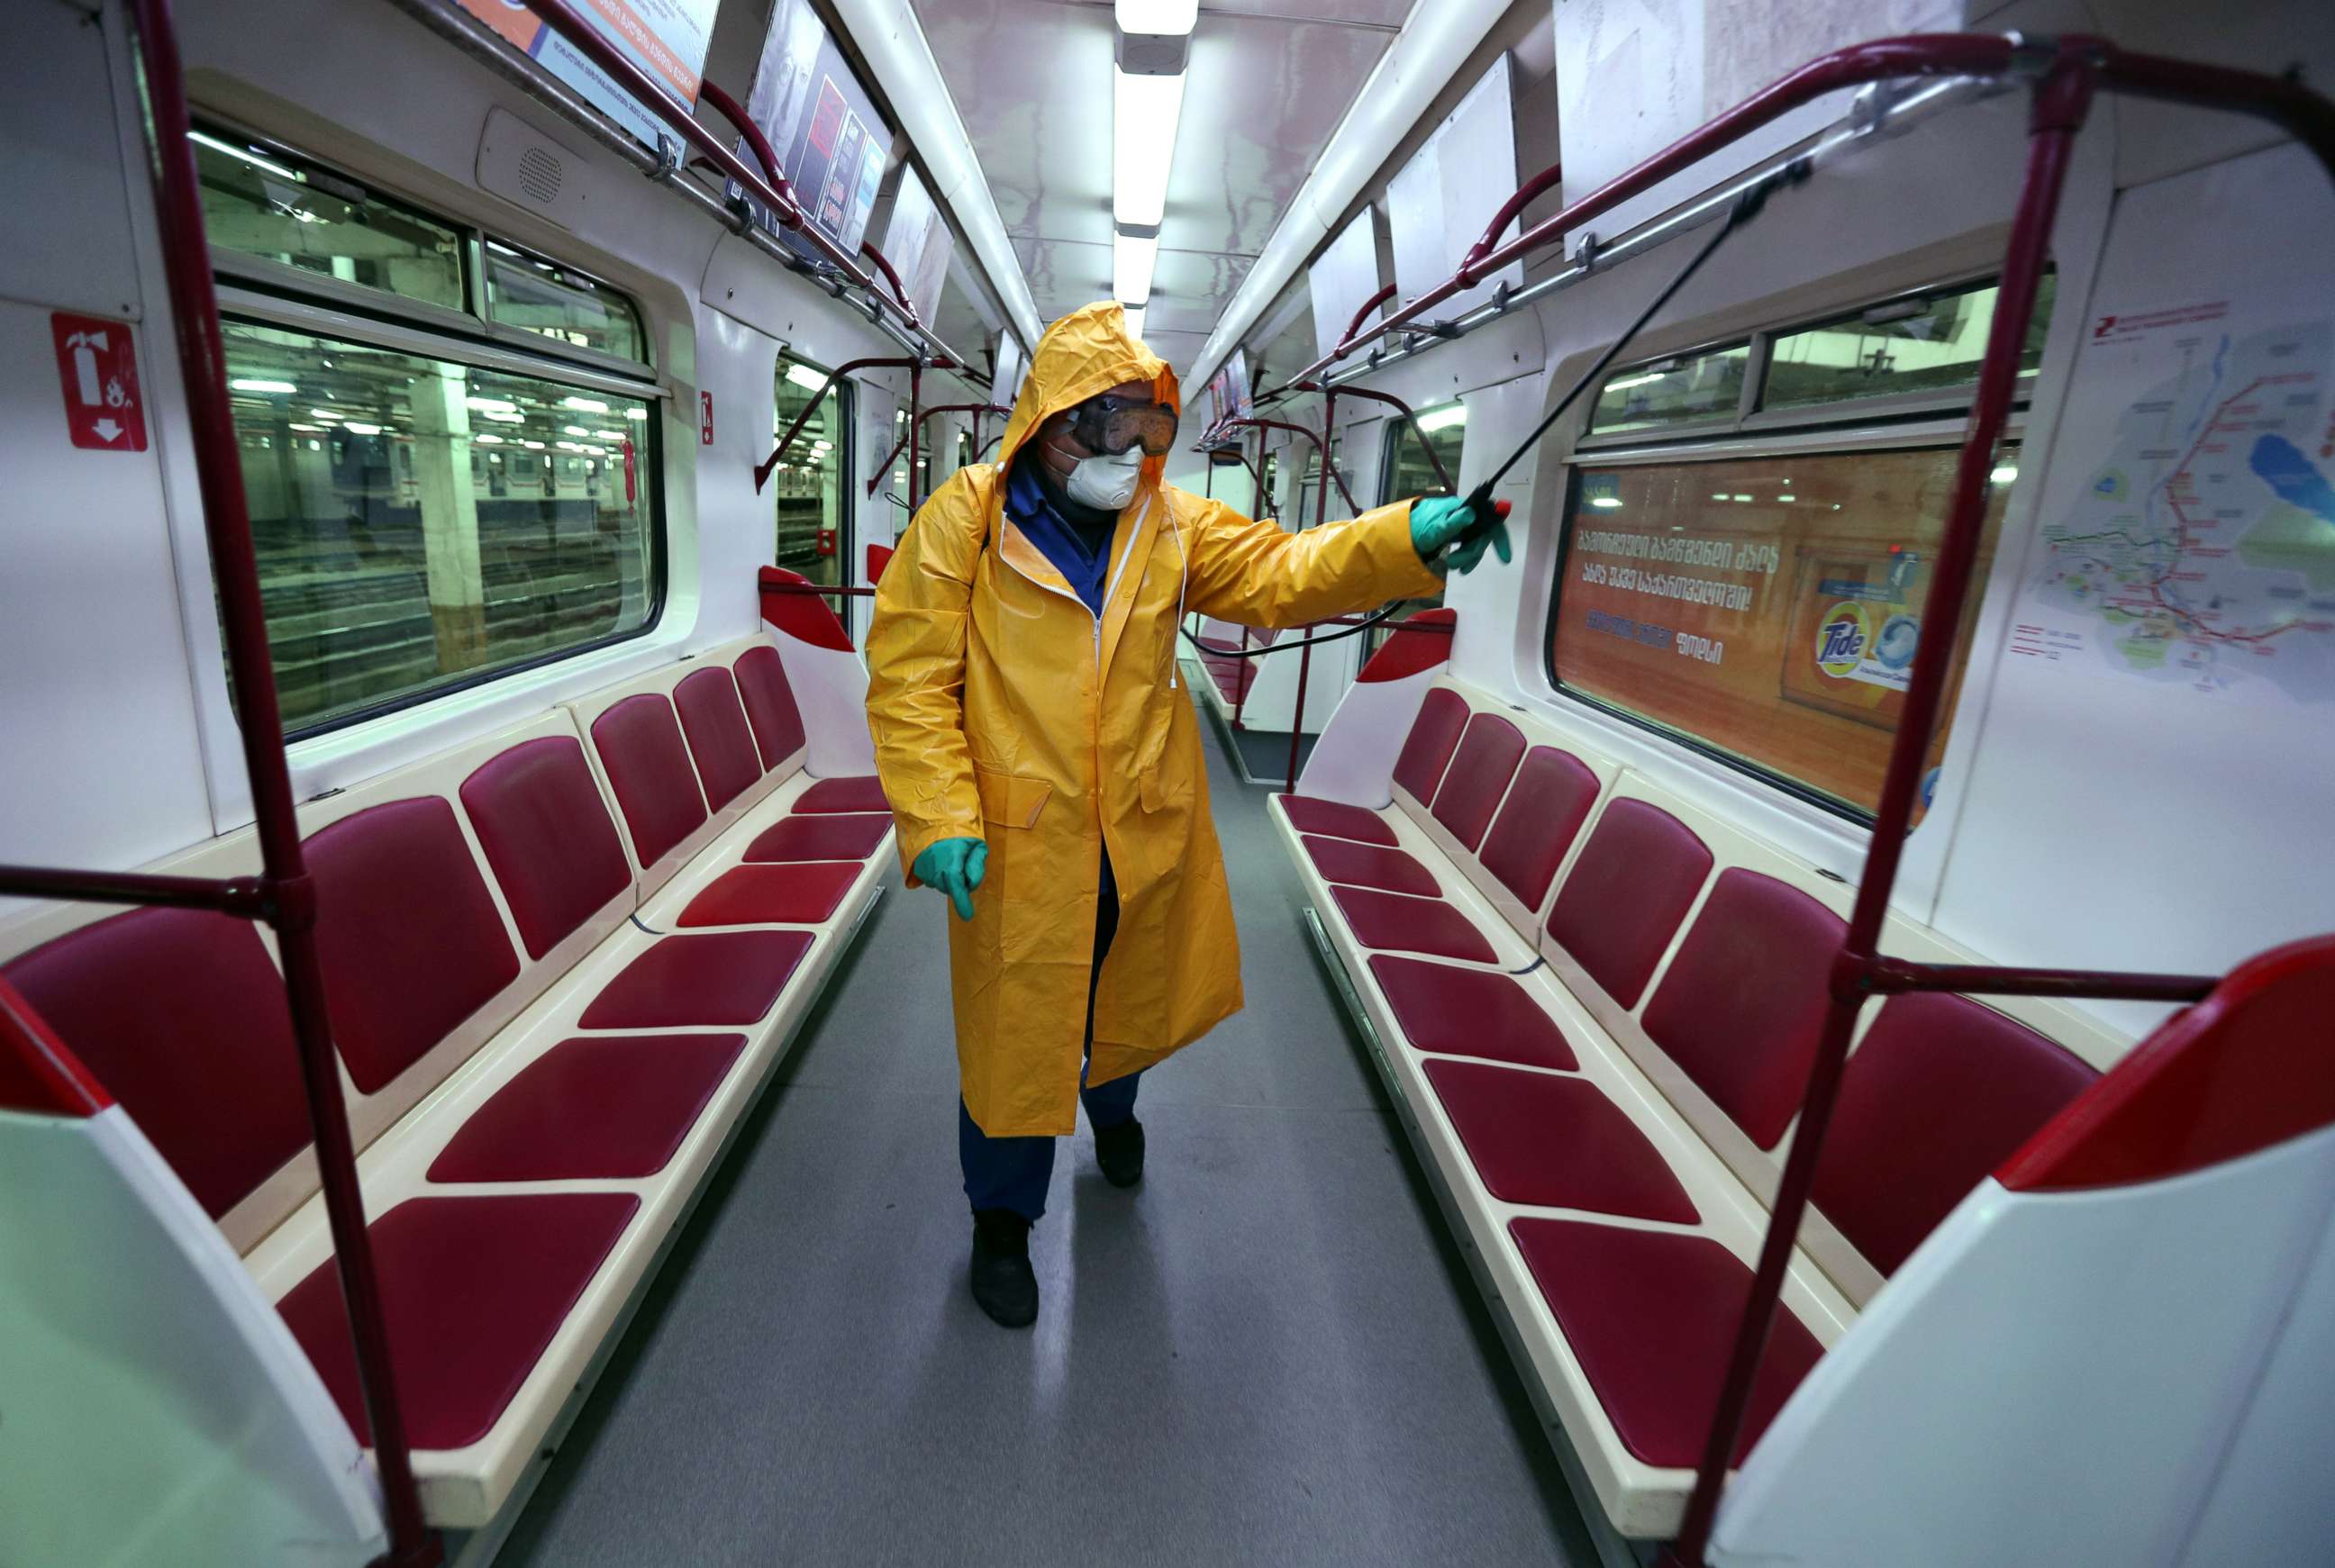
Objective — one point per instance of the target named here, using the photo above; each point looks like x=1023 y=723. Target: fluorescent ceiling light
x=1143 y=114
x=488 y=439
x=1788 y=498
x=821 y=446
x=325 y=413
x=803 y=376
x=355 y=428
x=311 y=429
x=2004 y=475
x=1604 y=500
x=532 y=445
x=507 y=416
x=1158 y=18
x=1132 y=258
x=636 y=412
x=589 y=405
x=1743 y=498
x=258 y=385
x=1444 y=419
x=244 y=153
x=487 y=405
x=1647 y=380
x=577 y=431
x=1134 y=320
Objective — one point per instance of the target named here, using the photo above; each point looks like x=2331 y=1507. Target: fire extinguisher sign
x=97 y=360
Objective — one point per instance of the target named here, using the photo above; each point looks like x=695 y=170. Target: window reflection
x=421 y=521
x=543 y=297
x=1924 y=344
x=265 y=202
x=1674 y=390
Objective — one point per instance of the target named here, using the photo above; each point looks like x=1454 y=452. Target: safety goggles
x=1110 y=425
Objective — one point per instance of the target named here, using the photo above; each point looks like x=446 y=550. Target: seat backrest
x=771 y=709
x=1550 y=799
x=1619 y=905
x=410 y=942
x=549 y=838
x=639 y=743
x=1427 y=750
x=713 y=721
x=1740 y=1006
x=1478 y=779
x=181 y=1015
x=1940 y=1092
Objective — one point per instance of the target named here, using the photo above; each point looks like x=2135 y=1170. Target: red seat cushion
x=640 y=746
x=719 y=740
x=549 y=840
x=711 y=978
x=409 y=938
x=1370 y=866
x=1309 y=815
x=1546 y=807
x=1651 y=1315
x=864 y=793
x=472 y=1290
x=1940 y=1092
x=1556 y=1143
x=1401 y=923
x=607 y=1107
x=770 y=703
x=1434 y=736
x=180 y=1014
x=1623 y=899
x=1469 y=1013
x=834 y=838
x=1478 y=777
x=798 y=893
x=1740 y=1006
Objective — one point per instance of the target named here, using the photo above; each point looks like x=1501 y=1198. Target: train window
x=262 y=201
x=423 y=523
x=1681 y=389
x=1920 y=343
x=558 y=303
x=1764 y=610
x=1309 y=484
x=1408 y=470
x=813 y=517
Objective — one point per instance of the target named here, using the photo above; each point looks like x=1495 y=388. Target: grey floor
x=1268 y=1352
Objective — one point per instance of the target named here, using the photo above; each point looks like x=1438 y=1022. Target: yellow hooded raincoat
x=1003 y=708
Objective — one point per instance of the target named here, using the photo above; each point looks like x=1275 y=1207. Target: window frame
x=1749 y=417
x=263 y=293
x=1925 y=435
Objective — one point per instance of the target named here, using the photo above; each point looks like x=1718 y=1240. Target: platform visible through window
x=1767 y=609
x=809 y=483
x=558 y=303
x=1680 y=390
x=422 y=523
x=1410 y=472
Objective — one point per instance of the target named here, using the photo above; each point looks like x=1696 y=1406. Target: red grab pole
x=1305 y=644
x=2061 y=100
x=290 y=893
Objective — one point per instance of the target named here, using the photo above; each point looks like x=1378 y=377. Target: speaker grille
x=539 y=174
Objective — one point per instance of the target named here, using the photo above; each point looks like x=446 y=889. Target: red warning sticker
x=97 y=360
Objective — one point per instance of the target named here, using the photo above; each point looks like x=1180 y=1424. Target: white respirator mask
x=1106 y=483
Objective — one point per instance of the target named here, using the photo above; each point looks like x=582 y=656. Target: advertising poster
x=1770 y=606
x=666 y=38
x=832 y=147
x=918 y=244
x=1228 y=391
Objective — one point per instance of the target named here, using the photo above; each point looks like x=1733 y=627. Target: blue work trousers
x=1012 y=1173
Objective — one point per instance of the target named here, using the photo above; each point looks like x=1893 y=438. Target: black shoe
x=1003 y=1281
x=1120 y=1151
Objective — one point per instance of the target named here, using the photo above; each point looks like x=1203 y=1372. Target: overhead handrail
x=1331 y=393
x=284 y=894
x=1525 y=195
x=899 y=291
x=1320 y=446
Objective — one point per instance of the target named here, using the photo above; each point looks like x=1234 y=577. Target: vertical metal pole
x=2058 y=110
x=1305 y=648
x=290 y=892
x=915 y=393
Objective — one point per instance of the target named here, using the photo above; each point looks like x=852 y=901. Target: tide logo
x=1841 y=638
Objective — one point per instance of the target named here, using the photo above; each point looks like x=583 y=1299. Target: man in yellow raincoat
x=1036 y=750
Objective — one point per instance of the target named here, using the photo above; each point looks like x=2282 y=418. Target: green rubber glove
x=1437 y=521
x=954 y=867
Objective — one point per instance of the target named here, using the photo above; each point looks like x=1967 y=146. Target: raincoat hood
x=1087 y=352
